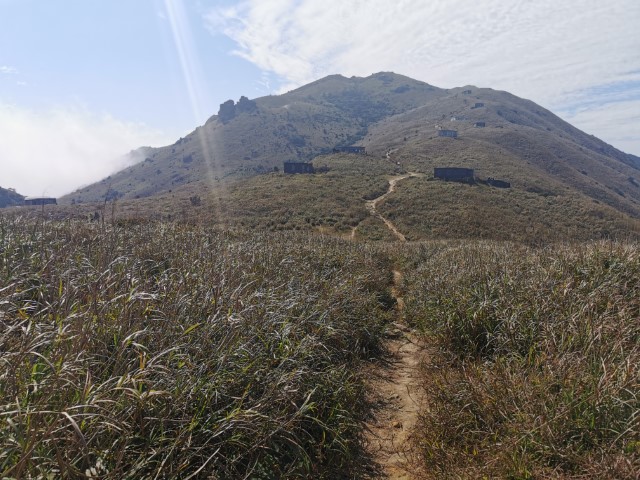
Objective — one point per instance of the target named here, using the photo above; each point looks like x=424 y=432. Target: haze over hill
x=555 y=170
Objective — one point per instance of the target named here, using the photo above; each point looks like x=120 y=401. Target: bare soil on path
x=372 y=207
x=394 y=384
x=397 y=396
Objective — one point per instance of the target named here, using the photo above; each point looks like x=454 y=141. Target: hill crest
x=397 y=120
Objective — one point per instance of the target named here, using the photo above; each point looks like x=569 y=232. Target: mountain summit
x=401 y=121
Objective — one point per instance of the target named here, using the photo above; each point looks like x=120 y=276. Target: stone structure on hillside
x=454 y=174
x=479 y=124
x=498 y=183
x=298 y=167
x=40 y=201
x=478 y=105
x=466 y=92
x=448 y=133
x=358 y=150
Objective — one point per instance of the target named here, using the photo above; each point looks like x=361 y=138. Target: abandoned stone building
x=479 y=125
x=454 y=174
x=466 y=92
x=448 y=133
x=358 y=150
x=498 y=183
x=298 y=167
x=478 y=105
x=40 y=201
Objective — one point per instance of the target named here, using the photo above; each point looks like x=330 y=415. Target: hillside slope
x=521 y=142
x=10 y=198
x=564 y=183
x=254 y=136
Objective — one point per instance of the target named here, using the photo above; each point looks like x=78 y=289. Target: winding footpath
x=373 y=204
x=395 y=385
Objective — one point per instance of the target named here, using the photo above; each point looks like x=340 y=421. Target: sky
x=85 y=82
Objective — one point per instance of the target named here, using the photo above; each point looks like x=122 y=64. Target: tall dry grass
x=537 y=372
x=168 y=351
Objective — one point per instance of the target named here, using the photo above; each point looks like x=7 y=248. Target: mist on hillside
x=55 y=152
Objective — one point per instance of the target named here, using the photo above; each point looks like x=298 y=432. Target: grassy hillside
x=535 y=371
x=565 y=184
x=164 y=351
x=521 y=143
x=9 y=198
x=384 y=112
x=254 y=139
x=421 y=208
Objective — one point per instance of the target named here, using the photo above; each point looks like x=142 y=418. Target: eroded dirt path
x=372 y=207
x=394 y=384
x=396 y=392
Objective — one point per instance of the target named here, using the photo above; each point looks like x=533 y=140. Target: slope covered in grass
x=537 y=373
x=168 y=351
x=424 y=208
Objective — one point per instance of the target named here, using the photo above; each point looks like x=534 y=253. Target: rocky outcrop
x=229 y=109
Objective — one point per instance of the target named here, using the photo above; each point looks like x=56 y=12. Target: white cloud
x=7 y=70
x=621 y=129
x=54 y=152
x=551 y=52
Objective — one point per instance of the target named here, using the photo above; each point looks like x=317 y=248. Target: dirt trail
x=372 y=205
x=396 y=392
x=395 y=385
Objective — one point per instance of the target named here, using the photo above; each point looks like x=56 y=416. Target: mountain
x=254 y=136
x=9 y=198
x=563 y=181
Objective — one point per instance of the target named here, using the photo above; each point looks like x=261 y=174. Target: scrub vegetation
x=144 y=349
x=157 y=350
x=536 y=370
x=201 y=314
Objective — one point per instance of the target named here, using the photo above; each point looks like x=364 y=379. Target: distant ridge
x=9 y=198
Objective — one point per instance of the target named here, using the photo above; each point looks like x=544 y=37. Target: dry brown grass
x=423 y=208
x=538 y=370
x=154 y=350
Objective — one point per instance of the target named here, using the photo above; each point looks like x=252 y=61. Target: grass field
x=167 y=351
x=143 y=349
x=537 y=370
x=200 y=314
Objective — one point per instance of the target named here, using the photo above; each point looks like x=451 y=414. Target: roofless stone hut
x=298 y=167
x=40 y=201
x=454 y=174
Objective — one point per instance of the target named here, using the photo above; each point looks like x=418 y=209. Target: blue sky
x=116 y=57
x=82 y=82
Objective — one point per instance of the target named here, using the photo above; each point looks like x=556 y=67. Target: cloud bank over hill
x=63 y=148
x=573 y=57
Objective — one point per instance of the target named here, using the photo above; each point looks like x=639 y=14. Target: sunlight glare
x=191 y=71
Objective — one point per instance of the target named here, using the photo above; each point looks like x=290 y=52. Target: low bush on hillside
x=168 y=351
x=537 y=372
